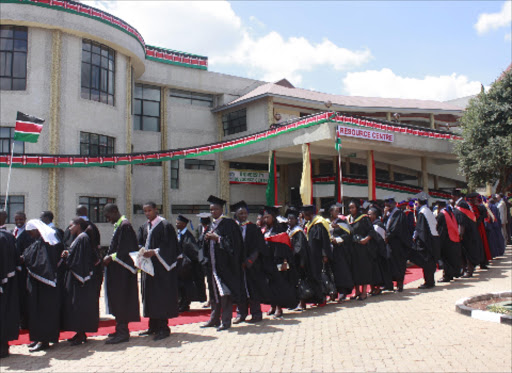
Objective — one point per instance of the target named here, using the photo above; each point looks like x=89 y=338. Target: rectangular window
x=95 y=207
x=234 y=122
x=199 y=164
x=175 y=174
x=191 y=98
x=6 y=135
x=146 y=108
x=190 y=209
x=93 y=144
x=13 y=58
x=14 y=204
x=98 y=68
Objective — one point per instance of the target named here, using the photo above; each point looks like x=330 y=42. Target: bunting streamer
x=52 y=161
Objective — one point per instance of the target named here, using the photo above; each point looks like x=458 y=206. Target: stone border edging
x=462 y=308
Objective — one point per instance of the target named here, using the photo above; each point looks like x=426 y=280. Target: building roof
x=280 y=90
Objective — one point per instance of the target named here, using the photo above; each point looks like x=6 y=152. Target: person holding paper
x=121 y=293
x=160 y=290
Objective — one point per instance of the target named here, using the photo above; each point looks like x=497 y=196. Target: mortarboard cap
x=309 y=208
x=389 y=199
x=422 y=196
x=472 y=195
x=402 y=203
x=182 y=219
x=272 y=210
x=365 y=205
x=292 y=211
x=240 y=204
x=204 y=215
x=216 y=201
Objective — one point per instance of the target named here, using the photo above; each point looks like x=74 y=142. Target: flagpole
x=340 y=176
x=9 y=178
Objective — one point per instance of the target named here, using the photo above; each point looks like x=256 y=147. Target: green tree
x=485 y=153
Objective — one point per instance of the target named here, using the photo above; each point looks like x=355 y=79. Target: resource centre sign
x=364 y=134
x=248 y=177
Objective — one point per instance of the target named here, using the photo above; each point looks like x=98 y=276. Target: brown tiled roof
x=272 y=89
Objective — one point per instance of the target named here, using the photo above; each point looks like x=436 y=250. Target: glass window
x=146 y=108
x=190 y=209
x=175 y=174
x=13 y=58
x=14 y=204
x=191 y=98
x=6 y=135
x=93 y=144
x=199 y=164
x=98 y=68
x=95 y=206
x=234 y=122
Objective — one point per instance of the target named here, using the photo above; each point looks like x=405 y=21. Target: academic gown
x=43 y=295
x=320 y=246
x=342 y=257
x=122 y=296
x=191 y=277
x=381 y=271
x=399 y=243
x=493 y=227
x=81 y=301
x=160 y=292
x=257 y=264
x=471 y=242
x=283 y=283
x=480 y=214
x=9 y=302
x=451 y=253
x=363 y=256
x=23 y=241
x=95 y=238
x=426 y=249
x=224 y=261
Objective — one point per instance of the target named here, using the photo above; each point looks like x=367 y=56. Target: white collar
x=84 y=217
x=155 y=221
x=431 y=219
x=182 y=231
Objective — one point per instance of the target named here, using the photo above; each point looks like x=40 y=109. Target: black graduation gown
x=257 y=264
x=450 y=250
x=160 y=292
x=381 y=271
x=23 y=241
x=224 y=260
x=471 y=242
x=399 y=243
x=342 y=257
x=363 y=256
x=282 y=283
x=122 y=296
x=426 y=250
x=191 y=275
x=81 y=301
x=319 y=246
x=9 y=302
x=43 y=295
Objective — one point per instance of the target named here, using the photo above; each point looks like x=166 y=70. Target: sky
x=433 y=50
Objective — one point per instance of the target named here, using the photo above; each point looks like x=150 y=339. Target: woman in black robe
x=43 y=301
x=363 y=250
x=81 y=301
x=381 y=271
x=9 y=303
x=341 y=237
x=284 y=277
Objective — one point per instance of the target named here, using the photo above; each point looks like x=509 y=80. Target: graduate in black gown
x=23 y=240
x=191 y=286
x=321 y=255
x=43 y=295
x=81 y=302
x=426 y=249
x=381 y=272
x=204 y=226
x=398 y=240
x=341 y=238
x=256 y=265
x=449 y=237
x=121 y=293
x=223 y=250
x=363 y=249
x=471 y=242
x=9 y=304
x=158 y=239
x=283 y=278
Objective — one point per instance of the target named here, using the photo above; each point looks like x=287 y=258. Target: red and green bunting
x=51 y=161
x=379 y=184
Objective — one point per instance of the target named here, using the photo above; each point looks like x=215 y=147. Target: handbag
x=305 y=289
x=328 y=285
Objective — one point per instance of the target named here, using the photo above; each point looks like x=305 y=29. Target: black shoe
x=211 y=324
x=72 y=339
x=184 y=309
x=425 y=286
x=147 y=332
x=116 y=340
x=483 y=266
x=112 y=335
x=79 y=340
x=32 y=344
x=4 y=350
x=445 y=279
x=223 y=327
x=161 y=335
x=40 y=346
x=238 y=320
x=255 y=319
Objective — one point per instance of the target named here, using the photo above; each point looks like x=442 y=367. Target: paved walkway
x=415 y=331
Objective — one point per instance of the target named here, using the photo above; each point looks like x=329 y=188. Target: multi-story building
x=103 y=91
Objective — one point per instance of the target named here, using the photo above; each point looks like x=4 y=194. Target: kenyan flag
x=27 y=128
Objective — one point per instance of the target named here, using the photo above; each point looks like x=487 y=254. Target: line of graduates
x=51 y=280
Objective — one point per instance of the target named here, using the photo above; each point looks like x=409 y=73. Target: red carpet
x=196 y=316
